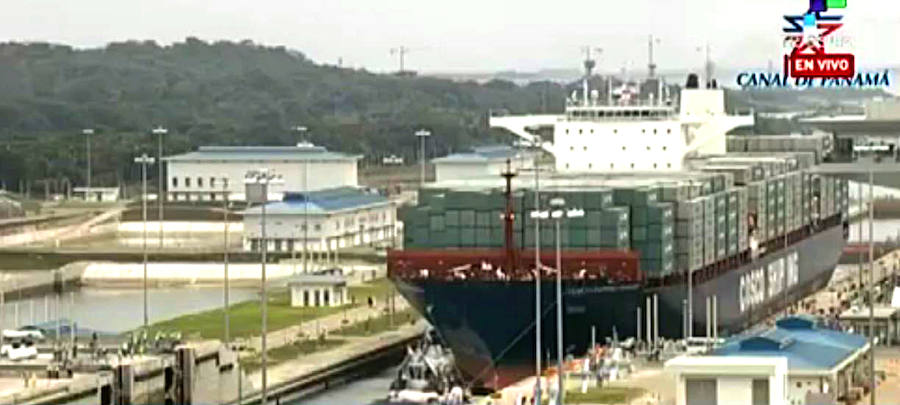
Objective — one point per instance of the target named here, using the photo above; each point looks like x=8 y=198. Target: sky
x=462 y=35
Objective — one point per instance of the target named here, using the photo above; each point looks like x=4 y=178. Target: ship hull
x=490 y=325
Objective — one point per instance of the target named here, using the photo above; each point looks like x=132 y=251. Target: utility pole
x=87 y=141
x=144 y=160
x=160 y=194
x=872 y=284
x=225 y=259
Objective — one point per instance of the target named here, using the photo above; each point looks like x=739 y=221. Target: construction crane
x=401 y=51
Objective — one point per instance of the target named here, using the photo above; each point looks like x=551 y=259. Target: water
x=117 y=309
x=370 y=390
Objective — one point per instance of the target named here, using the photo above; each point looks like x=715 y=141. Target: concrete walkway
x=310 y=363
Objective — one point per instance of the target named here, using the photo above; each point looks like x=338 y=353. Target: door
x=701 y=391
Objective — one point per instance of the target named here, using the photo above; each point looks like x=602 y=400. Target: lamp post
x=257 y=190
x=422 y=134
x=558 y=212
x=87 y=142
x=144 y=160
x=160 y=132
x=537 y=215
x=302 y=130
x=226 y=287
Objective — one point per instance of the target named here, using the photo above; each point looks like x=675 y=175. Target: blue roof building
x=796 y=362
x=326 y=220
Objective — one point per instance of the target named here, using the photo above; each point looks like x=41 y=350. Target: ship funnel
x=693 y=82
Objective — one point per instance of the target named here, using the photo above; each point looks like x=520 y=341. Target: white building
x=482 y=162
x=722 y=380
x=205 y=174
x=325 y=219
x=97 y=194
x=318 y=290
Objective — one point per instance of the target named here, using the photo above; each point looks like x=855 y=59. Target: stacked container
x=689 y=234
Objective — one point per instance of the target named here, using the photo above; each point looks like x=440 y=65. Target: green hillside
x=223 y=93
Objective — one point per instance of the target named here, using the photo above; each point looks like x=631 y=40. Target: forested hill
x=223 y=93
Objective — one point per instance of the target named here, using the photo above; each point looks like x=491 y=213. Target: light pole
x=302 y=130
x=872 y=282
x=87 y=142
x=558 y=212
x=537 y=215
x=144 y=160
x=422 y=134
x=225 y=260
x=257 y=190
x=160 y=132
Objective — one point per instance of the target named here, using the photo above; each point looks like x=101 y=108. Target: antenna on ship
x=509 y=245
x=651 y=67
x=589 y=64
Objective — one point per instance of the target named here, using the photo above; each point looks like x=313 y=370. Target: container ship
x=677 y=217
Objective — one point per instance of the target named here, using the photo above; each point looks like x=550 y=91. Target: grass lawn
x=245 y=318
x=289 y=352
x=378 y=324
x=604 y=395
x=378 y=289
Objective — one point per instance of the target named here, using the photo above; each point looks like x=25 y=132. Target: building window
x=654 y=131
x=590 y=166
x=225 y=182
x=567 y=131
x=174 y=181
x=567 y=165
x=623 y=148
x=579 y=132
x=612 y=165
x=318 y=227
x=571 y=148
x=664 y=148
x=615 y=131
x=592 y=131
x=200 y=182
x=212 y=196
x=212 y=181
x=643 y=130
x=648 y=147
x=337 y=225
x=669 y=165
x=585 y=148
x=669 y=130
x=187 y=181
x=654 y=166
x=632 y=165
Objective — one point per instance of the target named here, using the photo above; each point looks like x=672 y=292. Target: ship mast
x=588 y=67
x=509 y=244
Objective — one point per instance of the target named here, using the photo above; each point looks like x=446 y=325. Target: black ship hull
x=490 y=325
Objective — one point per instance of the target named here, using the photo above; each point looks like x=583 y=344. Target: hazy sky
x=460 y=35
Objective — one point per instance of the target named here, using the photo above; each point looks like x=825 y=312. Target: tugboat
x=428 y=375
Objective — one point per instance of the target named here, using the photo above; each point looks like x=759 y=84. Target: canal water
x=116 y=309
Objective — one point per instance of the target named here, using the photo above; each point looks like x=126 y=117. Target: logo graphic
x=808 y=33
x=816 y=53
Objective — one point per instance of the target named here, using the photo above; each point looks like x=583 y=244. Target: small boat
x=428 y=375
